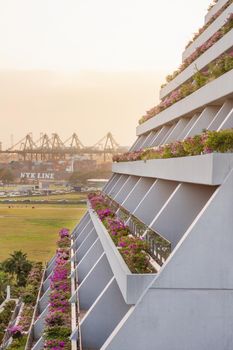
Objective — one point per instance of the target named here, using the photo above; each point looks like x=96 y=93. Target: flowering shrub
x=54 y=344
x=215 y=69
x=15 y=331
x=132 y=249
x=64 y=232
x=207 y=142
x=58 y=320
x=211 y=20
x=201 y=49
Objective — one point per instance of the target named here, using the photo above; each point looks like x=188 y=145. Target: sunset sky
x=87 y=66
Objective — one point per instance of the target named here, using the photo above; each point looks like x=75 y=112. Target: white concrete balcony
x=215 y=9
x=131 y=285
x=221 y=46
x=208 y=169
x=211 y=93
x=213 y=28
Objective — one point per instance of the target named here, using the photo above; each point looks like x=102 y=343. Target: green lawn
x=35 y=231
x=74 y=196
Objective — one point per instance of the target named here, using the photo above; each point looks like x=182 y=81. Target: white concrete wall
x=138 y=193
x=178 y=213
x=154 y=200
x=213 y=28
x=114 y=191
x=213 y=91
x=215 y=9
x=203 y=257
x=177 y=319
x=208 y=169
x=113 y=184
x=89 y=260
x=221 y=46
x=126 y=188
x=221 y=115
x=103 y=317
x=191 y=121
x=203 y=121
x=94 y=283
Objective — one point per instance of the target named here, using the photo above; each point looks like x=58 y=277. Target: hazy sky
x=88 y=66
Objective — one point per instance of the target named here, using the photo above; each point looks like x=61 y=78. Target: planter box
x=131 y=285
x=213 y=91
x=211 y=54
x=215 y=9
x=213 y=28
x=208 y=169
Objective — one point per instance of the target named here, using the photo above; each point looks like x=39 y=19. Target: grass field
x=34 y=231
x=68 y=196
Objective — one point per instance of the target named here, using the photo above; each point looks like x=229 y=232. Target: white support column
x=221 y=115
x=149 y=139
x=110 y=183
x=119 y=186
x=153 y=137
x=136 y=196
x=44 y=300
x=228 y=122
x=86 y=244
x=180 y=210
x=131 y=191
x=39 y=344
x=89 y=260
x=126 y=189
x=160 y=135
x=83 y=234
x=133 y=147
x=166 y=136
x=39 y=324
x=158 y=195
x=179 y=127
x=204 y=120
x=94 y=283
x=146 y=140
x=80 y=225
x=46 y=283
x=103 y=316
x=116 y=181
x=80 y=230
x=188 y=127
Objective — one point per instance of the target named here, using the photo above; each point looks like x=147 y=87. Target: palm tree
x=18 y=265
x=4 y=281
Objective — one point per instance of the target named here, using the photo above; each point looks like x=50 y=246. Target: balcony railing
x=158 y=247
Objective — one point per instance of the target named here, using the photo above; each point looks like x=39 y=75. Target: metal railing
x=159 y=248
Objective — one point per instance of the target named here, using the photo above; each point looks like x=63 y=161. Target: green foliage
x=200 y=79
x=58 y=332
x=193 y=145
x=29 y=295
x=19 y=266
x=18 y=344
x=220 y=141
x=207 y=142
x=4 y=281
